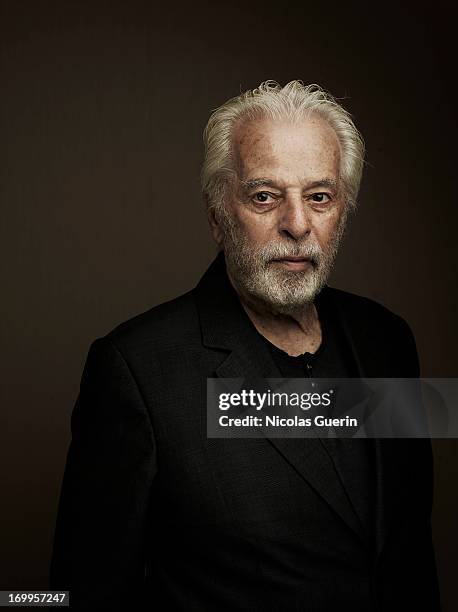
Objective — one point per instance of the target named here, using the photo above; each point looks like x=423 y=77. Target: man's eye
x=320 y=198
x=263 y=197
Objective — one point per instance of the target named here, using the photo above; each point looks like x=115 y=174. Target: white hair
x=270 y=100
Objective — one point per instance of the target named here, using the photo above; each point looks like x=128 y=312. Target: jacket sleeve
x=98 y=544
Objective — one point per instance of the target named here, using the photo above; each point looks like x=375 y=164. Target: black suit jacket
x=154 y=514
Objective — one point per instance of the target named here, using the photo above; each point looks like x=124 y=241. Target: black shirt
x=354 y=459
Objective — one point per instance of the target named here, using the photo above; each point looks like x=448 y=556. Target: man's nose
x=294 y=218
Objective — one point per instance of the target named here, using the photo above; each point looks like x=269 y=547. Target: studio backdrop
x=102 y=111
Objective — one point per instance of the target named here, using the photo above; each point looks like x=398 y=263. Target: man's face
x=281 y=228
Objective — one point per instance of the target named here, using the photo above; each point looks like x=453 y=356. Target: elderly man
x=154 y=513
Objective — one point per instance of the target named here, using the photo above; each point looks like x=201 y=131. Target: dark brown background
x=102 y=110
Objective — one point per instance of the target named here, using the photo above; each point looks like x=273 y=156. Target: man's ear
x=215 y=226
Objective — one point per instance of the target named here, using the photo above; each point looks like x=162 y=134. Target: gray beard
x=260 y=279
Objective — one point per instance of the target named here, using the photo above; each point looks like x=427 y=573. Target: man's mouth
x=294 y=263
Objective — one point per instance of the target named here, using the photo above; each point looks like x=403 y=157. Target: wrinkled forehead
x=302 y=149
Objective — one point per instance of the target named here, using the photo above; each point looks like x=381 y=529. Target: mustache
x=310 y=251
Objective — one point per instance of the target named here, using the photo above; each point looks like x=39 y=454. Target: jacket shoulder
x=164 y=324
x=368 y=317
x=357 y=305
x=373 y=324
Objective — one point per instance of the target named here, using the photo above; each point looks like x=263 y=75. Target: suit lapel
x=225 y=325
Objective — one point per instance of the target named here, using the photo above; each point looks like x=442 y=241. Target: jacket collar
x=225 y=325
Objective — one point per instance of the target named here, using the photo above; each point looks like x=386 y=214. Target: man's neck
x=294 y=333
